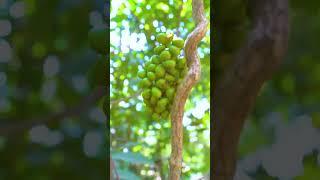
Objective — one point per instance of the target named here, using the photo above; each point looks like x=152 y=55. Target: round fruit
x=162 y=38
x=151 y=67
x=174 y=50
x=142 y=74
x=169 y=64
x=146 y=82
x=182 y=63
x=159 y=49
x=160 y=72
x=155 y=59
x=170 y=92
x=156 y=92
x=169 y=77
x=146 y=94
x=161 y=83
x=165 y=55
x=178 y=42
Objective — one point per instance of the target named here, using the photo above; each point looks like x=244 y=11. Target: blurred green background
x=281 y=138
x=140 y=145
x=47 y=66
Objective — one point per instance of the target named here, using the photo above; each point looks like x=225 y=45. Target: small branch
x=236 y=91
x=125 y=99
x=185 y=87
x=15 y=127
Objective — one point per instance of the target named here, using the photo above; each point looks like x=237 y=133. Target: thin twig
x=185 y=87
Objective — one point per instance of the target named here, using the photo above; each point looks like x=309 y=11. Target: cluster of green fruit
x=162 y=74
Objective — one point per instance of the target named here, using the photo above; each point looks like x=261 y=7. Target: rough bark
x=185 y=87
x=239 y=86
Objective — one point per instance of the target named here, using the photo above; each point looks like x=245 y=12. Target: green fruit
x=151 y=67
x=156 y=92
x=164 y=38
x=155 y=116
x=169 y=77
x=146 y=94
x=149 y=109
x=159 y=109
x=146 y=82
x=174 y=72
x=153 y=100
x=182 y=63
x=170 y=93
x=151 y=76
x=174 y=50
x=163 y=102
x=183 y=72
x=159 y=49
x=169 y=64
x=161 y=83
x=142 y=74
x=178 y=42
x=165 y=114
x=160 y=72
x=165 y=55
x=155 y=59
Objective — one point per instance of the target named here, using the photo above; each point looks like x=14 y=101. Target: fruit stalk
x=185 y=87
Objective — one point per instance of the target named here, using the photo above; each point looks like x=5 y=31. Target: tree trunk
x=236 y=91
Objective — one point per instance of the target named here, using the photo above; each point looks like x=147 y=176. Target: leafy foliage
x=46 y=66
x=134 y=26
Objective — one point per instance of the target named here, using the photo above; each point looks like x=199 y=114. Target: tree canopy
x=140 y=145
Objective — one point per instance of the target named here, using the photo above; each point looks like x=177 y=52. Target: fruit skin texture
x=146 y=82
x=178 y=42
x=170 y=93
x=151 y=67
x=165 y=55
x=169 y=64
x=160 y=72
x=156 y=92
x=142 y=74
x=182 y=63
x=161 y=38
x=146 y=94
x=151 y=76
x=159 y=49
x=161 y=83
x=164 y=38
x=155 y=59
x=174 y=50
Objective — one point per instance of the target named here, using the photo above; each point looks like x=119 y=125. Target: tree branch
x=239 y=86
x=15 y=127
x=185 y=87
